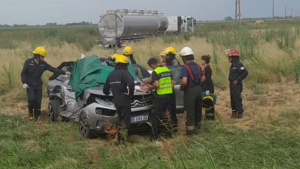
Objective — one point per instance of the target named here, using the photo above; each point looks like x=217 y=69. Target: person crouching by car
x=121 y=84
x=191 y=74
x=162 y=90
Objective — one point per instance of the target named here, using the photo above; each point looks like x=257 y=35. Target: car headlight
x=105 y=103
x=105 y=112
x=98 y=111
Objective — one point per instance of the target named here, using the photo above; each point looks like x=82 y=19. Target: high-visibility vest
x=165 y=80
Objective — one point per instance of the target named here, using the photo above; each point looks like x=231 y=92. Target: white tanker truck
x=119 y=26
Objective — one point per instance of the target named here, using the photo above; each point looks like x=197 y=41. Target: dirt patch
x=259 y=109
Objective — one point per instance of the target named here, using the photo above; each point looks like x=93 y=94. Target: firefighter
x=128 y=52
x=162 y=91
x=121 y=84
x=31 y=79
x=170 y=57
x=172 y=61
x=113 y=57
x=164 y=59
x=238 y=73
x=207 y=87
x=191 y=74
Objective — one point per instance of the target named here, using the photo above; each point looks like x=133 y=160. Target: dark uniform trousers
x=193 y=108
x=123 y=107
x=34 y=95
x=173 y=108
x=160 y=104
x=236 y=97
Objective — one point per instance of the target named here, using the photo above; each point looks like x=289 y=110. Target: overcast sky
x=65 y=11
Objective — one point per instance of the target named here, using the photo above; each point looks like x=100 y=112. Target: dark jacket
x=172 y=61
x=32 y=72
x=132 y=59
x=118 y=81
x=237 y=71
x=208 y=83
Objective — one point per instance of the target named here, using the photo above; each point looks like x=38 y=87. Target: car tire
x=65 y=119
x=53 y=110
x=84 y=127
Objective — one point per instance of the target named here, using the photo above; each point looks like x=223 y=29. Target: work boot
x=234 y=114
x=37 y=114
x=240 y=116
x=175 y=127
x=154 y=138
x=190 y=130
x=38 y=120
x=30 y=113
x=123 y=137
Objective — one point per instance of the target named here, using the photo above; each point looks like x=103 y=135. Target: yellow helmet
x=170 y=50
x=115 y=56
x=40 y=51
x=163 y=54
x=127 y=51
x=121 y=59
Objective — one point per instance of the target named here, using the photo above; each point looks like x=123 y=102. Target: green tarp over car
x=91 y=72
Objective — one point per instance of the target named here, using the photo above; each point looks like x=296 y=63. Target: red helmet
x=232 y=52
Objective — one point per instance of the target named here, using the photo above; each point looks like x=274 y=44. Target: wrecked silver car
x=94 y=110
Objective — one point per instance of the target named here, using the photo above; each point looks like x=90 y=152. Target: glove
x=25 y=86
x=68 y=73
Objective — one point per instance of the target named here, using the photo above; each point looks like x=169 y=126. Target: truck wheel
x=53 y=110
x=84 y=127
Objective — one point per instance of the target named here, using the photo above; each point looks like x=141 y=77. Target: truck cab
x=178 y=24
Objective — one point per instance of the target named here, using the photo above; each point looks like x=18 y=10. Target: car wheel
x=65 y=119
x=53 y=110
x=84 y=127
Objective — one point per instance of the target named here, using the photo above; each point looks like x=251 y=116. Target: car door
x=176 y=71
x=141 y=72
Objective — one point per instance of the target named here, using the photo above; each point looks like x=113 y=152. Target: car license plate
x=139 y=118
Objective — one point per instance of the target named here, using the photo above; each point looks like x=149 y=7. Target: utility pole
x=285 y=11
x=292 y=12
x=273 y=10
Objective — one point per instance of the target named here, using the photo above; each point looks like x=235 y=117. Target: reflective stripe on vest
x=165 y=81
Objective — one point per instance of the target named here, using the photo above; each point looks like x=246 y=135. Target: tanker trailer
x=118 y=26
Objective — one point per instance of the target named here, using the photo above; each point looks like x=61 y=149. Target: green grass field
x=27 y=145
x=267 y=137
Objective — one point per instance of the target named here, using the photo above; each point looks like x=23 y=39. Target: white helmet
x=186 y=51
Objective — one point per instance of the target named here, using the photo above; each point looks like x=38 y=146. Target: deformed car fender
x=96 y=121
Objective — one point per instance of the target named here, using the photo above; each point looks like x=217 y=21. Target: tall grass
x=83 y=36
x=268 y=51
x=8 y=74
